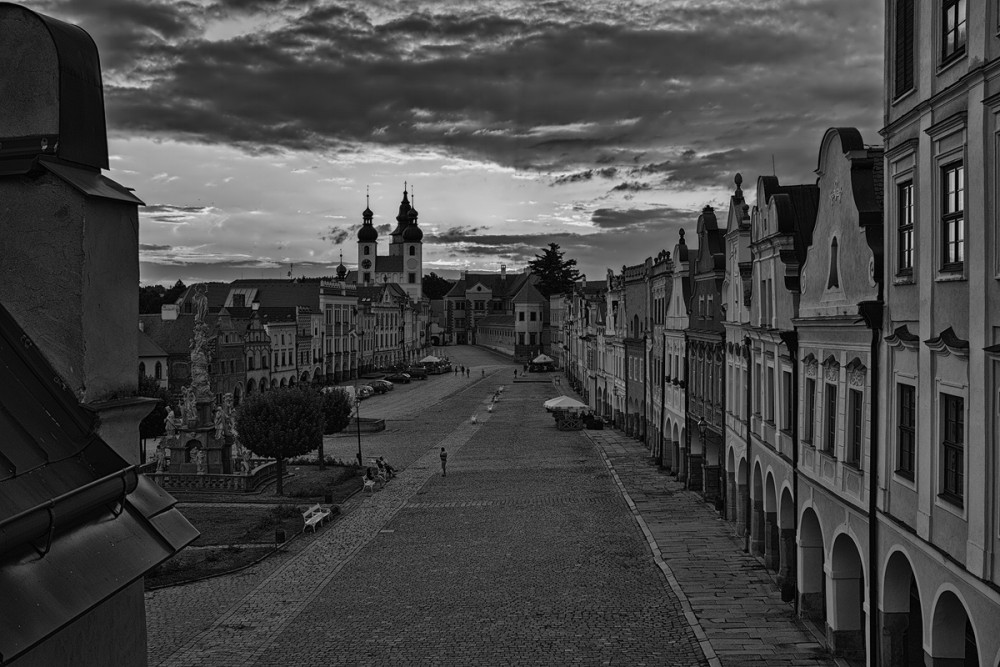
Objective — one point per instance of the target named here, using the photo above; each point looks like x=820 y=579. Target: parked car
x=381 y=386
x=416 y=373
x=364 y=391
x=399 y=377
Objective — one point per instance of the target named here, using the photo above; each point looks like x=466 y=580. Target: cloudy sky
x=252 y=128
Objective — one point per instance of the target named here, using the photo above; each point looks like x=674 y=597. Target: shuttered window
x=904 y=47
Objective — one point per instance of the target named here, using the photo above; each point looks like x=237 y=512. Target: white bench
x=314 y=516
x=369 y=484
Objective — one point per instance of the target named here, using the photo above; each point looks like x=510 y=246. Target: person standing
x=467 y=371
x=444 y=463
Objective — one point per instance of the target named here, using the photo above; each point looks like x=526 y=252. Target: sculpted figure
x=245 y=461
x=200 y=300
x=170 y=423
x=220 y=423
x=199 y=458
x=229 y=414
x=190 y=404
x=161 y=459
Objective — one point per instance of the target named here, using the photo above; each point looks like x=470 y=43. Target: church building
x=404 y=263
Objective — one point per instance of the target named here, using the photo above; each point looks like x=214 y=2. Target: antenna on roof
x=772 y=165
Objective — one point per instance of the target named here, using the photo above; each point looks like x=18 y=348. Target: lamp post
x=357 y=421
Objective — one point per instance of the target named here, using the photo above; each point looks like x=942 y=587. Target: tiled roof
x=173 y=336
x=216 y=293
x=65 y=547
x=303 y=292
x=277 y=314
x=148 y=348
x=499 y=285
x=528 y=294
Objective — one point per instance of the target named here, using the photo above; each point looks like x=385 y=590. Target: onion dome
x=368 y=233
x=412 y=233
x=341 y=269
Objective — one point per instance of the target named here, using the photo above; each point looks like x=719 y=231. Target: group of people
x=462 y=370
x=382 y=472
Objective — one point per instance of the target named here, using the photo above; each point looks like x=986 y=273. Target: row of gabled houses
x=279 y=333
x=823 y=398
x=823 y=365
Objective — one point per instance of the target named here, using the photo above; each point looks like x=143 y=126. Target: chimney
x=168 y=311
x=503 y=272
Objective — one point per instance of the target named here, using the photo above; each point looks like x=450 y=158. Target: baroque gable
x=843 y=263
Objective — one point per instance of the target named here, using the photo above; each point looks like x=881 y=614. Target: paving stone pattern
x=540 y=547
x=733 y=597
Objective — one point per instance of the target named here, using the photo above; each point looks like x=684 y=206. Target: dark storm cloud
x=605 y=172
x=610 y=218
x=152 y=247
x=336 y=235
x=553 y=87
x=454 y=235
x=384 y=229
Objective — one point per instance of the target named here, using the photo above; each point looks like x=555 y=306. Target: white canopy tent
x=564 y=403
x=542 y=359
x=430 y=359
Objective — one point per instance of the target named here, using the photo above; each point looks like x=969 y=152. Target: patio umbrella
x=430 y=359
x=564 y=403
x=542 y=359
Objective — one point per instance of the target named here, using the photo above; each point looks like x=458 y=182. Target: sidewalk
x=730 y=600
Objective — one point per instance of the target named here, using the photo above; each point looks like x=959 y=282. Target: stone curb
x=692 y=619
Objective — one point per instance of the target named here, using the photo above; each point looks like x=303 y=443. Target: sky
x=253 y=129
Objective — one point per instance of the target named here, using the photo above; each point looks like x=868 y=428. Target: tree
x=152 y=425
x=152 y=297
x=555 y=275
x=435 y=287
x=336 y=414
x=280 y=424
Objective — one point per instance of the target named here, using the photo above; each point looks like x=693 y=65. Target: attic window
x=833 y=282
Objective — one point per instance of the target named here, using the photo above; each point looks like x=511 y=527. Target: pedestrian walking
x=456 y=371
x=515 y=373
x=444 y=463
x=484 y=372
x=467 y=371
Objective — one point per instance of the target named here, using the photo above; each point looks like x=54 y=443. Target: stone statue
x=199 y=459
x=220 y=423
x=245 y=461
x=199 y=361
x=200 y=300
x=161 y=459
x=190 y=405
x=170 y=423
x=229 y=414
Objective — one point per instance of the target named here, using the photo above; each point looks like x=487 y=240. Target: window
x=953 y=447
x=533 y=316
x=769 y=390
x=413 y=250
x=904 y=47
x=954 y=29
x=520 y=338
x=367 y=250
x=856 y=407
x=952 y=222
x=411 y=278
x=531 y=337
x=830 y=417
x=249 y=363
x=786 y=400
x=368 y=278
x=158 y=371
x=142 y=369
x=833 y=281
x=904 y=230
x=906 y=423
x=520 y=316
x=810 y=410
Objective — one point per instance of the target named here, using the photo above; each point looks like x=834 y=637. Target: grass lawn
x=222 y=528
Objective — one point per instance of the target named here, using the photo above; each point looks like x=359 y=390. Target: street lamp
x=357 y=421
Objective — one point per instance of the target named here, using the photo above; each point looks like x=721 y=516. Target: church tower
x=413 y=261
x=402 y=220
x=367 y=246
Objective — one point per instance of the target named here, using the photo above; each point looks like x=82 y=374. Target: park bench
x=314 y=516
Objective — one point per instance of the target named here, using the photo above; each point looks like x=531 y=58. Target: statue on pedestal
x=161 y=459
x=190 y=406
x=199 y=458
x=170 y=423
x=229 y=414
x=219 y=419
x=245 y=461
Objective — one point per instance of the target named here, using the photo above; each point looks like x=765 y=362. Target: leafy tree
x=555 y=275
x=281 y=424
x=151 y=298
x=336 y=415
x=435 y=287
x=152 y=425
x=174 y=293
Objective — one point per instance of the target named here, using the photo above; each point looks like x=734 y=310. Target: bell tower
x=367 y=245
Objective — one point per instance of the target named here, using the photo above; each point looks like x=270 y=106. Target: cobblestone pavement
x=734 y=599
x=525 y=553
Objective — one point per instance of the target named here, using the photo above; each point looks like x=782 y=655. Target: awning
x=542 y=359
x=564 y=403
x=430 y=359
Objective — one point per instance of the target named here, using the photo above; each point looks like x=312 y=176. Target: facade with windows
x=706 y=356
x=939 y=532
x=675 y=346
x=660 y=286
x=636 y=329
x=838 y=289
x=339 y=305
x=152 y=359
x=736 y=295
x=781 y=227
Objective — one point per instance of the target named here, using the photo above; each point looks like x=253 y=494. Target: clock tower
x=367 y=246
